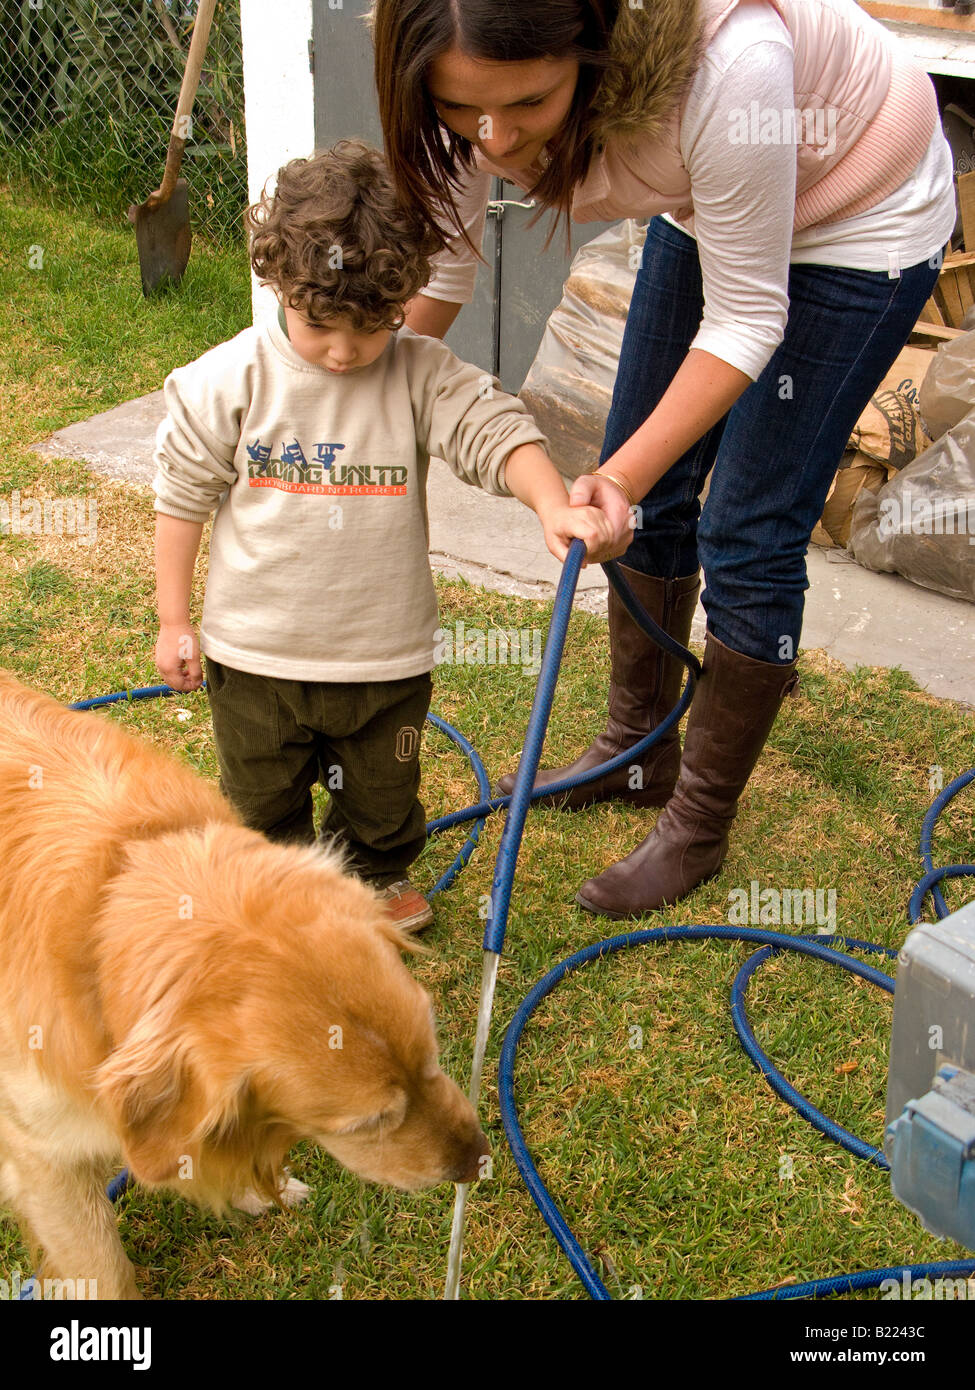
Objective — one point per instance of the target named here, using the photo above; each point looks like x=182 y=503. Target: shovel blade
x=162 y=235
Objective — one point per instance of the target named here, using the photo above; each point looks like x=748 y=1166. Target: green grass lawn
x=670 y=1159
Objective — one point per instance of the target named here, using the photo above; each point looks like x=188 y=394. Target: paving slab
x=856 y=616
x=117 y=442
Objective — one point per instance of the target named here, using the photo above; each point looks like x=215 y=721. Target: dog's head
x=258 y=996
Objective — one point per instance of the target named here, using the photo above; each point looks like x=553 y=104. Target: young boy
x=311 y=437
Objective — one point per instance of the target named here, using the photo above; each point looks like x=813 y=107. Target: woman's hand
x=589 y=524
x=178 y=656
x=606 y=526
x=592 y=490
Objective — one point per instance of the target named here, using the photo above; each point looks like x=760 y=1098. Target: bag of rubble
x=948 y=392
x=569 y=387
x=922 y=523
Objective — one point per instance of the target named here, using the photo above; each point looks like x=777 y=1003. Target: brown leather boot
x=731 y=716
x=645 y=685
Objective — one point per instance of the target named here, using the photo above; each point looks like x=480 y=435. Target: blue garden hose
x=933 y=876
x=810 y=946
x=772 y=942
x=749 y=1042
x=820 y=1288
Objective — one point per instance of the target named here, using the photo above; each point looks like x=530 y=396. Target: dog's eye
x=367 y=1122
x=388 y=1118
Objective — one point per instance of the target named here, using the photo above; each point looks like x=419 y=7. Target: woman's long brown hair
x=408 y=35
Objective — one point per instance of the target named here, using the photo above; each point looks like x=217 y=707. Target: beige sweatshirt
x=318 y=554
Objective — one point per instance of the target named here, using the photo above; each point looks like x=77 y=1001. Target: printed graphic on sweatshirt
x=293 y=471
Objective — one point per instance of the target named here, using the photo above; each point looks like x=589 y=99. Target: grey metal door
x=520 y=285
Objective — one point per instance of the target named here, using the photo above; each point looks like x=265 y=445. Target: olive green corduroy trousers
x=276 y=738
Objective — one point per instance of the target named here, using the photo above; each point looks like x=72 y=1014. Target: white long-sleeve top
x=744 y=195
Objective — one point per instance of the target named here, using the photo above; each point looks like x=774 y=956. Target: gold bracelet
x=619 y=483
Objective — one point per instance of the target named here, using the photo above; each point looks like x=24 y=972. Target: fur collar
x=656 y=49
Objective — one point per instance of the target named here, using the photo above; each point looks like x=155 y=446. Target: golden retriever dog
x=179 y=994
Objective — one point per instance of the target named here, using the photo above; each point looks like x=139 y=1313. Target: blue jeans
x=775 y=453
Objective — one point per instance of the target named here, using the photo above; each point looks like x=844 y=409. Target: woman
x=791 y=157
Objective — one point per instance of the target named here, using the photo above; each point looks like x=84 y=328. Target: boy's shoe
x=408 y=908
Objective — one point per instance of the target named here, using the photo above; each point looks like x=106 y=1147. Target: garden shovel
x=162 y=222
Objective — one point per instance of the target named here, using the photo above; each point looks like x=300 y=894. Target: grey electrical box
x=934 y=1007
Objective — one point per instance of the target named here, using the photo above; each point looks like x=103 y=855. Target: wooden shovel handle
x=187 y=96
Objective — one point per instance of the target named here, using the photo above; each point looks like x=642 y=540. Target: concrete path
x=858 y=617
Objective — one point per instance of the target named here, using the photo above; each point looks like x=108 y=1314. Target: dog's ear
x=177 y=1126
x=157 y=1105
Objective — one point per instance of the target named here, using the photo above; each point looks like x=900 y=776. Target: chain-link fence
x=88 y=92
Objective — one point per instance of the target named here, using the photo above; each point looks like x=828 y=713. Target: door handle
x=497 y=206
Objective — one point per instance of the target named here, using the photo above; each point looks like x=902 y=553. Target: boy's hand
x=178 y=656
x=589 y=524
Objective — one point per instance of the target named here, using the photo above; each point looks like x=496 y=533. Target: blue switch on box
x=931 y=1149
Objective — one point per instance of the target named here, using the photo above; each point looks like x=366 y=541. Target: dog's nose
x=473 y=1160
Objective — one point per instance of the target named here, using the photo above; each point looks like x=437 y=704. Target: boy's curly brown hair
x=335 y=241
